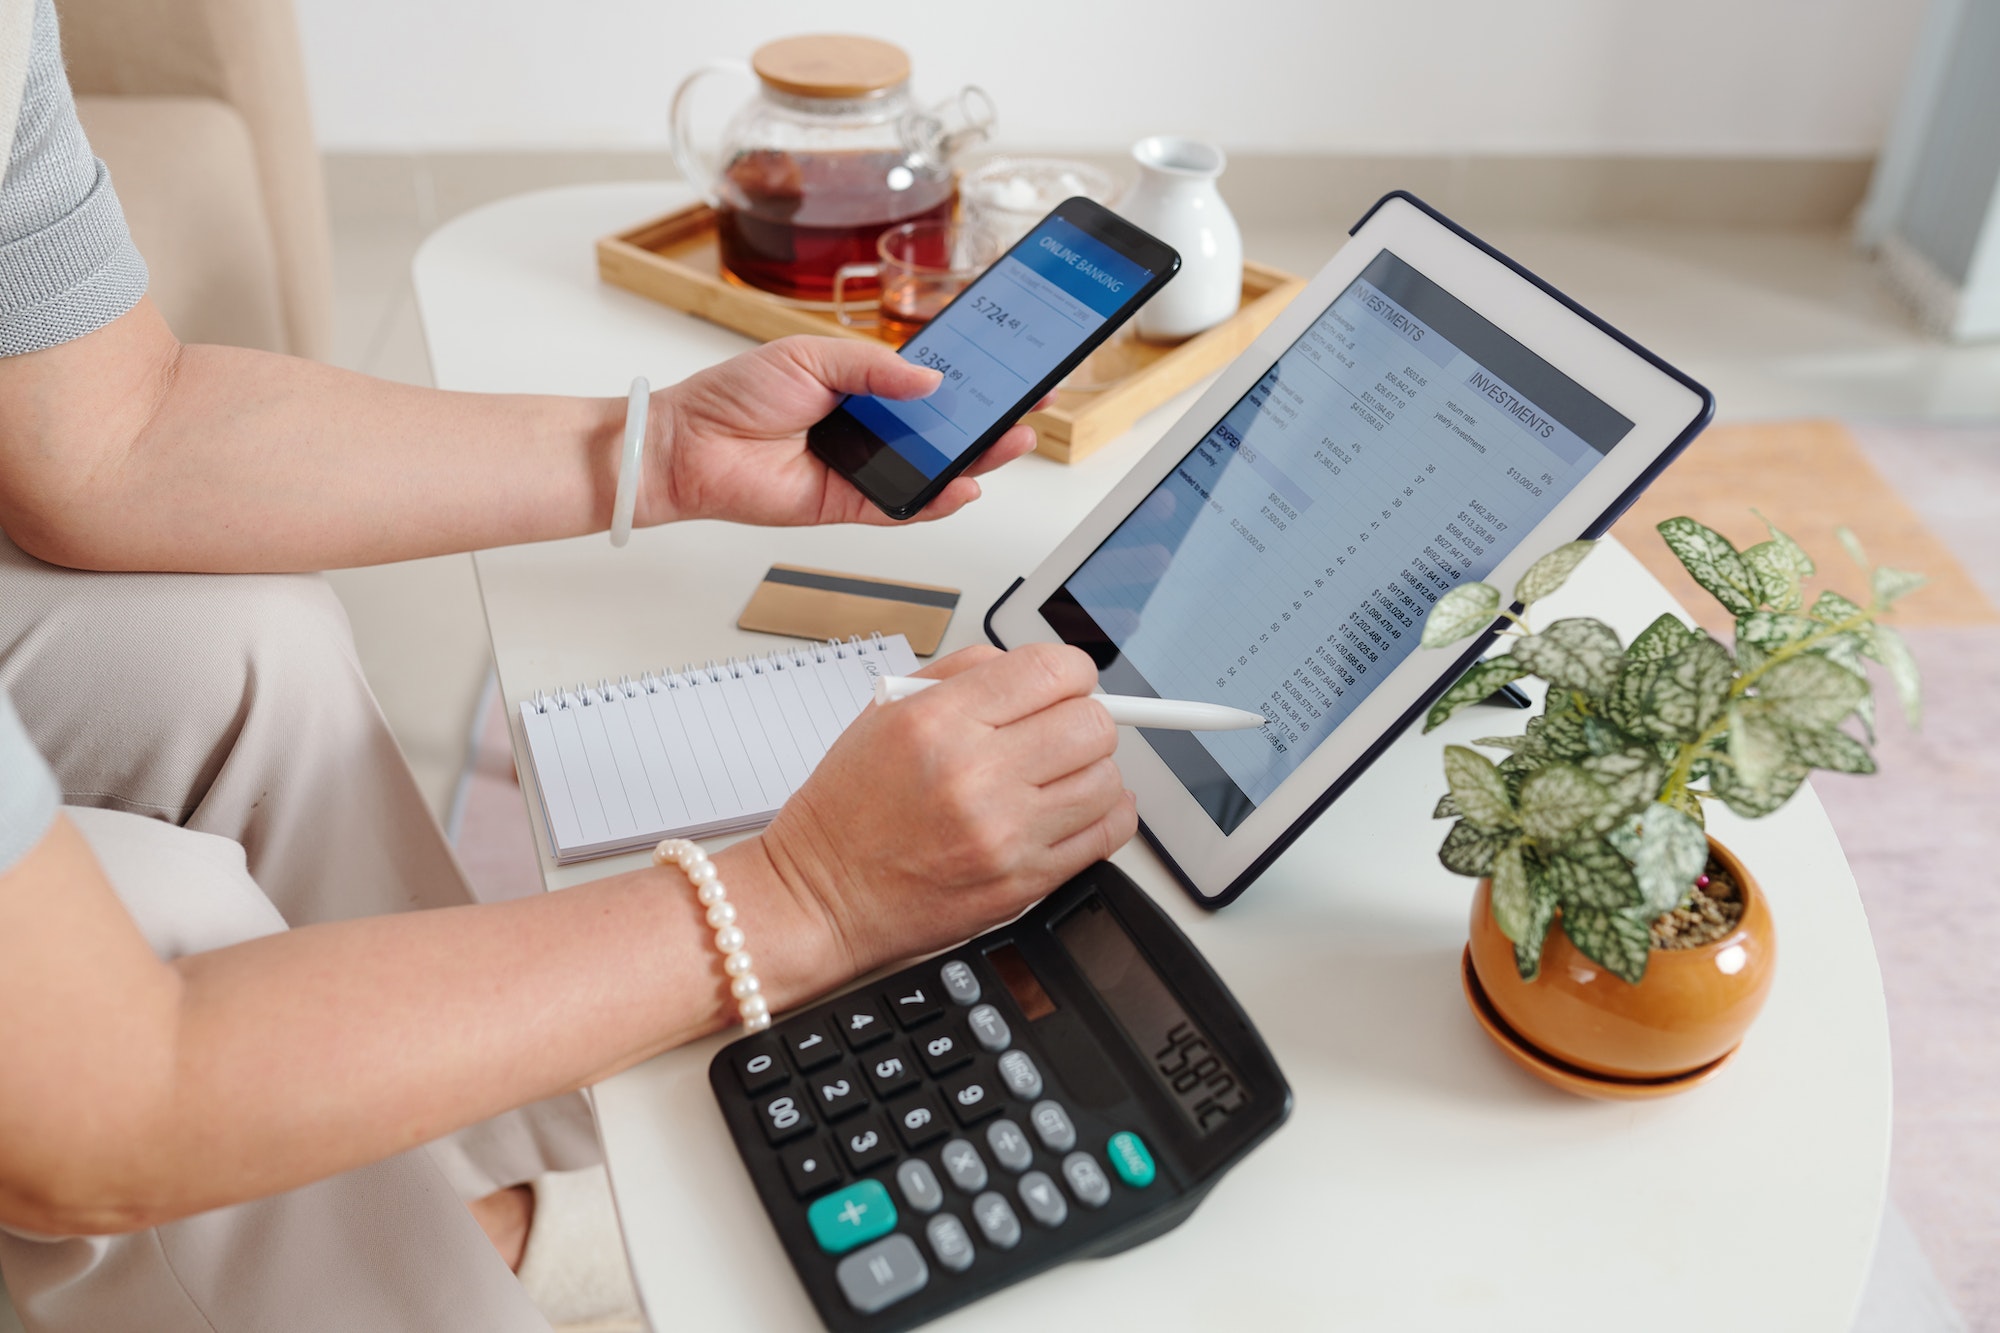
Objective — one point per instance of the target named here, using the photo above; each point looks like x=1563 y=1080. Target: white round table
x=1422 y=1182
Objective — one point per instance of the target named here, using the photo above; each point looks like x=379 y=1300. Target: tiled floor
x=1781 y=324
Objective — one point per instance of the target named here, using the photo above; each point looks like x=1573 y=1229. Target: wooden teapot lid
x=831 y=65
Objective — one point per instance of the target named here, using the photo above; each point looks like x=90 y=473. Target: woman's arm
x=136 y=1091
x=126 y=449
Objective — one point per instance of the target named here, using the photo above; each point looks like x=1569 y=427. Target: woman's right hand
x=944 y=814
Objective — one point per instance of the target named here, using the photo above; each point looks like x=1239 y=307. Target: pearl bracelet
x=751 y=1005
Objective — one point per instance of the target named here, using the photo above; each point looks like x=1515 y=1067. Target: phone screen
x=1001 y=338
x=998 y=345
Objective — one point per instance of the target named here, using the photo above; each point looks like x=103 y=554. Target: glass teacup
x=923 y=266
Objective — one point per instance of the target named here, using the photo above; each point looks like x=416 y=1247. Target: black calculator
x=1066 y=1086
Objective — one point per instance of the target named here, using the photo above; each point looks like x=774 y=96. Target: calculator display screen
x=1179 y=1053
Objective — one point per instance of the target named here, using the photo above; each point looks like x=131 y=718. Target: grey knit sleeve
x=28 y=795
x=67 y=262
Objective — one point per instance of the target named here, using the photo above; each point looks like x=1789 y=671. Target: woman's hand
x=942 y=815
x=730 y=442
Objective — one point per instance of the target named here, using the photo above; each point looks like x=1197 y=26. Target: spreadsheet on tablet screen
x=1401 y=446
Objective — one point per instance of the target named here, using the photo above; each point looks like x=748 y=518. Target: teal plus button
x=858 y=1214
x=1130 y=1159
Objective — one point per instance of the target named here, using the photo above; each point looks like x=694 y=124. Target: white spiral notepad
x=695 y=752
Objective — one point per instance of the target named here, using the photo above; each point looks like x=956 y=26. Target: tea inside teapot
x=789 y=219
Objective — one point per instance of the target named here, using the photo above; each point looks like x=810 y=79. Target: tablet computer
x=1425 y=413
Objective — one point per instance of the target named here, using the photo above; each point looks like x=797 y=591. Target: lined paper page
x=695 y=753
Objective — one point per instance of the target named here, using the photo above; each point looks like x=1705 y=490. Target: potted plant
x=1616 y=948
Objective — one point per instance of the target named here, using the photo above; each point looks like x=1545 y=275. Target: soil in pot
x=1713 y=911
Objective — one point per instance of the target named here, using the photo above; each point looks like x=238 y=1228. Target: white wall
x=1725 y=77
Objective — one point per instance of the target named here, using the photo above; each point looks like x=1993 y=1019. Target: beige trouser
x=230 y=716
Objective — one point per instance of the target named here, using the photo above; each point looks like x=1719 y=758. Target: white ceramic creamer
x=1176 y=200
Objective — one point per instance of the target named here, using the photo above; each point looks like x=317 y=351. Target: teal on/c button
x=1130 y=1159
x=856 y=1215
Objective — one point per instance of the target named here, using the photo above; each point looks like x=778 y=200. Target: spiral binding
x=690 y=676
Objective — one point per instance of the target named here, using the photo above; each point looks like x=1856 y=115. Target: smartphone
x=1001 y=344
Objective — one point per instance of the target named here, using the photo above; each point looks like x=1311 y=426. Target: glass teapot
x=830 y=153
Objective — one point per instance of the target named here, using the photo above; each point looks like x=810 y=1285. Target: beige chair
x=199 y=109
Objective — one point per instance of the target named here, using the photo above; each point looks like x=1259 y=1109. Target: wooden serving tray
x=672 y=260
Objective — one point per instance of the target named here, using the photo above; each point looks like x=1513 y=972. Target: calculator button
x=1010 y=1146
x=810 y=1168
x=861 y=1022
x=784 y=1118
x=949 y=1242
x=971 y=1096
x=1086 y=1180
x=890 y=1070
x=866 y=1142
x=853 y=1216
x=1131 y=1159
x=920 y=1185
x=943 y=1052
x=996 y=1220
x=989 y=1029
x=838 y=1093
x=884 y=1273
x=964 y=1165
x=1052 y=1126
x=1044 y=1200
x=760 y=1065
x=960 y=983
x=918 y=1119
x=811 y=1047
x=1018 y=1072
x=914 y=1005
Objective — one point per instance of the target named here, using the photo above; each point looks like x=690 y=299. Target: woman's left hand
x=730 y=442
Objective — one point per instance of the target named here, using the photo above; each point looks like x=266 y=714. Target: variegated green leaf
x=1617 y=941
x=1469 y=849
x=1575 y=654
x=1757 y=744
x=1678 y=698
x=1852 y=545
x=1810 y=692
x=1795 y=553
x=1446 y=808
x=1771 y=630
x=1832 y=609
x=1465 y=610
x=1715 y=564
x=1592 y=872
x=1631 y=777
x=1777 y=577
x=1830 y=749
x=1528 y=949
x=1478 y=683
x=1672 y=851
x=1513 y=908
x=1559 y=735
x=1888 y=647
x=1889 y=584
x=1502 y=742
x=1600 y=737
x=1659 y=640
x=1551 y=572
x=1476 y=788
x=1558 y=802
x=1756 y=802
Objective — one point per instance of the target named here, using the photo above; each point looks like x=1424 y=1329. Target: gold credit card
x=822 y=604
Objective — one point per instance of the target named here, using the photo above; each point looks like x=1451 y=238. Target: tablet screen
x=1402 y=445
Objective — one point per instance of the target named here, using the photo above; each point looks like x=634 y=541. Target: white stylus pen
x=1127 y=710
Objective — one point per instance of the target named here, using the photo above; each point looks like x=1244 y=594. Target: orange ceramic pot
x=1690 y=1010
